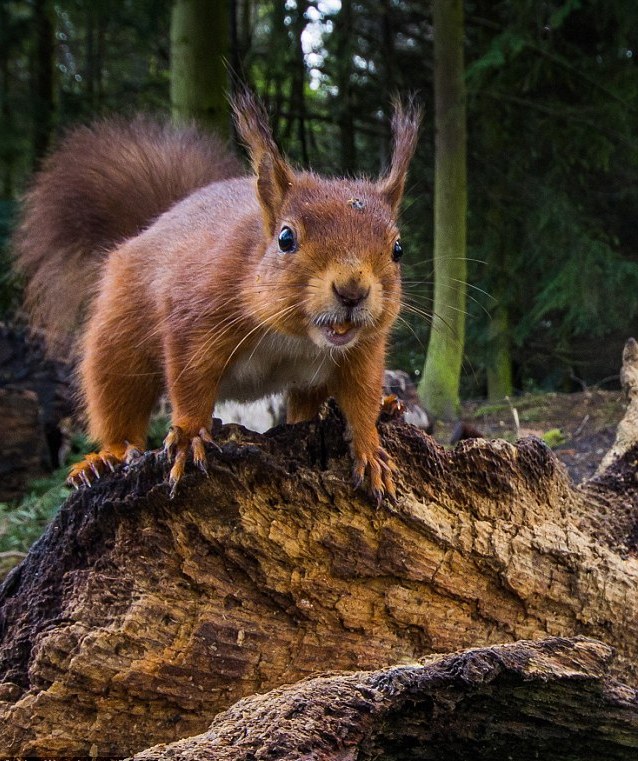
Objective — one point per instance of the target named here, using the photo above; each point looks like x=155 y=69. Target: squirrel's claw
x=176 y=447
x=177 y=471
x=91 y=468
x=378 y=469
x=108 y=463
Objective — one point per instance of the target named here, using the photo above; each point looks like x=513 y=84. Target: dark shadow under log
x=136 y=619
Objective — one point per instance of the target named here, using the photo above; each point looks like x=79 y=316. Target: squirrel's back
x=104 y=183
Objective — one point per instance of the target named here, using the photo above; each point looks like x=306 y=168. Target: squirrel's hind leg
x=120 y=390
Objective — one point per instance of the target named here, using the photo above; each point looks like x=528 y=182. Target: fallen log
x=550 y=700
x=136 y=619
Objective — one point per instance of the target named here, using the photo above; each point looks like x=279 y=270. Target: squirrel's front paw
x=177 y=445
x=93 y=466
x=377 y=467
x=96 y=464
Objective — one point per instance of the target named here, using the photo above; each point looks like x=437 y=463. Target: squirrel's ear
x=274 y=175
x=405 y=130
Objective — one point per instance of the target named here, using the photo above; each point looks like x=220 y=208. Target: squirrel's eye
x=286 y=240
x=397 y=251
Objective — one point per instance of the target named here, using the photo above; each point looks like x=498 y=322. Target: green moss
x=491 y=409
x=554 y=437
x=530 y=407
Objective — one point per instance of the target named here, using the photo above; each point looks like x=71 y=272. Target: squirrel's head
x=330 y=269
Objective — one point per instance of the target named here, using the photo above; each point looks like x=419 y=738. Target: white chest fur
x=276 y=364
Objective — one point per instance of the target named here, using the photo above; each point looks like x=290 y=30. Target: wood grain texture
x=136 y=619
x=549 y=700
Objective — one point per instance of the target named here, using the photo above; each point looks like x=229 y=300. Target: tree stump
x=136 y=618
x=23 y=453
x=35 y=405
x=627 y=433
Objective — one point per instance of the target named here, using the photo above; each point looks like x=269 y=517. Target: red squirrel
x=188 y=275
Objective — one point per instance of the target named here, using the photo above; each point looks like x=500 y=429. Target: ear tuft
x=406 y=121
x=274 y=175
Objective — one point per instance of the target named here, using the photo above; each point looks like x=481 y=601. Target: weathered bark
x=136 y=619
x=552 y=700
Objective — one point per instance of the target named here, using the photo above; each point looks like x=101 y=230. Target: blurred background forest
x=552 y=152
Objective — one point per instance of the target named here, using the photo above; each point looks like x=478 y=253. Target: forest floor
x=579 y=427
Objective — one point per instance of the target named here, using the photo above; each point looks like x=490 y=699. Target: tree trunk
x=387 y=34
x=96 y=16
x=200 y=31
x=7 y=148
x=439 y=387
x=44 y=79
x=298 y=82
x=627 y=433
x=277 y=72
x=500 y=381
x=23 y=450
x=343 y=31
x=499 y=368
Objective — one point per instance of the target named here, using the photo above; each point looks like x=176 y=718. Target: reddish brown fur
x=204 y=301
x=104 y=183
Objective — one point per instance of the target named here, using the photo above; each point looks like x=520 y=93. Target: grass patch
x=22 y=523
x=530 y=407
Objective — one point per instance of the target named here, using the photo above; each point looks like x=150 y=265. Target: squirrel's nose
x=351 y=294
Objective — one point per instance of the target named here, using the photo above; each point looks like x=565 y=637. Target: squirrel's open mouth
x=340 y=334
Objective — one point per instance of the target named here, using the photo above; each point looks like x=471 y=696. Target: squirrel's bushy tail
x=103 y=184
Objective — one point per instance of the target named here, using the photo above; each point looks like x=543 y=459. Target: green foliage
x=578 y=293
x=107 y=57
x=502 y=49
x=157 y=431
x=552 y=144
x=555 y=162
x=22 y=524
